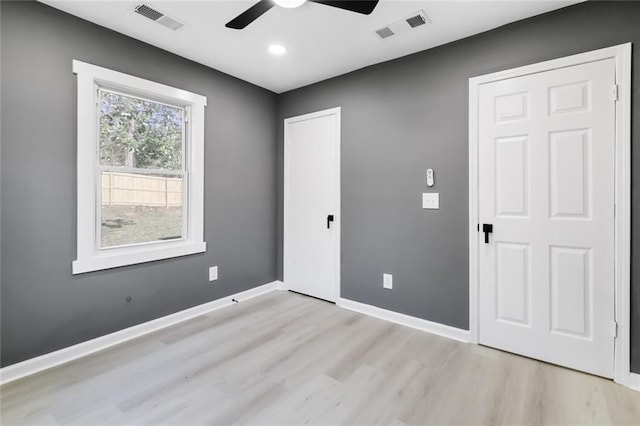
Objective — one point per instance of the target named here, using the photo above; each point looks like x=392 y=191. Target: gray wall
x=43 y=306
x=399 y=118
x=404 y=116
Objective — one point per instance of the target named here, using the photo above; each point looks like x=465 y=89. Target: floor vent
x=385 y=32
x=157 y=16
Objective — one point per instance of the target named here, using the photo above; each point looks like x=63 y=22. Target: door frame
x=621 y=54
x=336 y=225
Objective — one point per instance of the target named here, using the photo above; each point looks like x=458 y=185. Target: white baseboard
x=62 y=356
x=634 y=381
x=53 y=359
x=406 y=320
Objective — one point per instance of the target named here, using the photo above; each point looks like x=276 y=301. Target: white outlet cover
x=431 y=200
x=213 y=273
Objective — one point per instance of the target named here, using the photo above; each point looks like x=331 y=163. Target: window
x=140 y=170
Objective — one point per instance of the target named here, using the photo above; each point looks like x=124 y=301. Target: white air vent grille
x=148 y=12
x=170 y=23
x=385 y=32
x=157 y=16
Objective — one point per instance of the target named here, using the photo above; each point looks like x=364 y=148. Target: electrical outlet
x=213 y=273
x=387 y=281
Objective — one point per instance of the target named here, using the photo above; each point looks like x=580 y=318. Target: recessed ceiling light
x=289 y=3
x=277 y=49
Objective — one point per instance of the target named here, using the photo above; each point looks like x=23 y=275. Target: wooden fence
x=126 y=189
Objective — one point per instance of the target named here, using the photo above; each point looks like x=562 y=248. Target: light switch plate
x=213 y=273
x=387 y=281
x=431 y=200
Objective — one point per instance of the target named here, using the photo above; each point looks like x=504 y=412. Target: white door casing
x=312 y=194
x=549 y=163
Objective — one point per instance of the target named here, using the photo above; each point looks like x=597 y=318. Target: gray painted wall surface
x=402 y=117
x=44 y=307
x=399 y=118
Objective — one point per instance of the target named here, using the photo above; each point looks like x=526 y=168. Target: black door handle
x=329 y=220
x=487 y=228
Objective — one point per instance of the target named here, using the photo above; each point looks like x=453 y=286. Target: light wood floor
x=285 y=359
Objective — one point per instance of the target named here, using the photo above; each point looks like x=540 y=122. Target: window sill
x=114 y=260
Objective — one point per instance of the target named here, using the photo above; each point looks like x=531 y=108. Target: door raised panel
x=512 y=176
x=513 y=281
x=571 y=291
x=570 y=171
x=569 y=98
x=511 y=107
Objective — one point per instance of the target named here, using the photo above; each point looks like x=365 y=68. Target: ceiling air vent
x=148 y=12
x=157 y=16
x=416 y=21
x=407 y=24
x=170 y=23
x=385 y=32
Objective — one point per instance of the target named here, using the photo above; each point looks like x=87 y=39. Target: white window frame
x=90 y=257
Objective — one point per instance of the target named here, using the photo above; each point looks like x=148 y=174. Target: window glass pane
x=140 y=208
x=138 y=133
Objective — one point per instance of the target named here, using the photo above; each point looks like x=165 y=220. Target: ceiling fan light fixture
x=289 y=4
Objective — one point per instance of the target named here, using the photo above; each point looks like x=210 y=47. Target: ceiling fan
x=258 y=9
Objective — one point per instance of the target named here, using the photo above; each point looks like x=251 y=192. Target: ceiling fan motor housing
x=254 y=12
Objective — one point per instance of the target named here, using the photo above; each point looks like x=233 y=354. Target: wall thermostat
x=430 y=179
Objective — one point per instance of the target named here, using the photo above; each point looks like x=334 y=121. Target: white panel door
x=546 y=179
x=312 y=204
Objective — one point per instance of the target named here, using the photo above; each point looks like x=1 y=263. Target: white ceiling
x=322 y=41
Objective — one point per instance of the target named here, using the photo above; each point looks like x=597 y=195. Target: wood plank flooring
x=286 y=359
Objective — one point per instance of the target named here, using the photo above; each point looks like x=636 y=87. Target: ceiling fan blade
x=364 y=7
x=250 y=15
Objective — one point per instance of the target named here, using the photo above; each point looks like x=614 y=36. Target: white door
x=312 y=204
x=546 y=179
